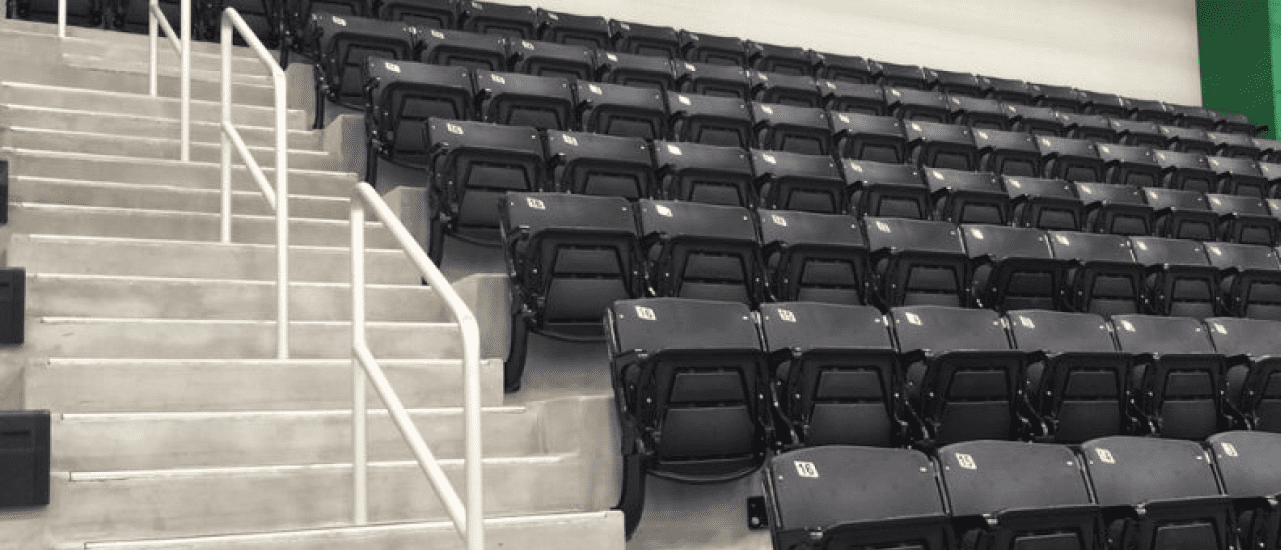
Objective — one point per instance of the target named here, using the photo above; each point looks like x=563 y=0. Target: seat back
x=887 y=190
x=1038 y=121
x=705 y=173
x=1244 y=220
x=1108 y=105
x=967 y=197
x=722 y=121
x=512 y=22
x=712 y=49
x=1231 y=123
x=596 y=164
x=405 y=94
x=641 y=71
x=1233 y=145
x=1008 y=91
x=1116 y=209
x=714 y=80
x=955 y=83
x=572 y=62
x=976 y=113
x=1044 y=203
x=1012 y=153
x=918 y=262
x=1059 y=98
x=1197 y=117
x=783 y=89
x=1246 y=464
x=1013 y=267
x=791 y=181
x=622 y=110
x=773 y=58
x=1251 y=279
x=917 y=105
x=867 y=137
x=855 y=98
x=1070 y=159
x=908 y=77
x=1092 y=128
x=1138 y=133
x=815 y=257
x=941 y=145
x=795 y=129
x=1179 y=381
x=462 y=49
x=1179 y=278
x=1130 y=165
x=344 y=43
x=648 y=40
x=435 y=14
x=475 y=163
x=1188 y=171
x=513 y=99
x=1105 y=277
x=844 y=68
x=1187 y=140
x=1254 y=373
x=702 y=251
x=1150 y=110
x=1239 y=176
x=579 y=30
x=1182 y=214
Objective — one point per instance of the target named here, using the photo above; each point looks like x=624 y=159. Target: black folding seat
x=723 y=121
x=1044 y=203
x=771 y=58
x=1244 y=220
x=1158 y=493
x=793 y=181
x=1179 y=278
x=1251 y=279
x=402 y=96
x=262 y=16
x=702 y=251
x=958 y=84
x=462 y=49
x=572 y=62
x=1198 y=117
x=303 y=10
x=814 y=257
x=1240 y=176
x=1178 y=375
x=837 y=371
x=713 y=80
x=866 y=137
x=941 y=145
x=1007 y=495
x=705 y=173
x=907 y=77
x=1269 y=149
x=568 y=258
x=795 y=129
x=1008 y=91
x=80 y=13
x=898 y=505
x=597 y=164
x=515 y=99
x=1008 y=153
x=1186 y=140
x=1181 y=214
x=713 y=50
x=1254 y=368
x=641 y=71
x=1232 y=123
x=473 y=164
x=621 y=110
x=976 y=113
x=1095 y=128
x=1038 y=121
x=1115 y=209
x=1108 y=105
x=887 y=189
x=909 y=104
x=1130 y=165
x=430 y=14
x=798 y=91
x=1078 y=381
x=1272 y=173
x=1013 y=268
x=1138 y=133
x=1104 y=277
x=690 y=381
x=1151 y=111
x=848 y=97
x=844 y=68
x=651 y=40
x=1060 y=98
x=512 y=22
x=1187 y=171
x=1233 y=145
x=577 y=30
x=1070 y=159
x=961 y=374
x=133 y=15
x=917 y=262
x=967 y=197
x=1247 y=465
x=342 y=45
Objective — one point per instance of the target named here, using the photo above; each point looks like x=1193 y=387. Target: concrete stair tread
x=154 y=196
x=158 y=147
x=141 y=65
x=93 y=35
x=209 y=110
x=46 y=113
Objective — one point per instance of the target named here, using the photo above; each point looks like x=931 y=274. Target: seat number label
x=663 y=211
x=844 y=118
x=438 y=35
x=454 y=128
x=646 y=313
x=770 y=159
x=805 y=469
x=1105 y=456
x=497 y=78
x=536 y=204
x=571 y=140
x=339 y=21
x=595 y=89
x=778 y=220
x=674 y=150
x=392 y=67
x=1229 y=449
x=684 y=100
x=787 y=315
x=916 y=320
x=966 y=461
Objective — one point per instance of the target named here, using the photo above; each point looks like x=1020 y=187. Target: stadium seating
x=463 y=49
x=1251 y=279
x=967 y=197
x=642 y=71
x=850 y=97
x=429 y=14
x=1104 y=277
x=1196 y=117
x=937 y=145
x=814 y=257
x=798 y=91
x=1138 y=133
x=1182 y=214
x=80 y=13
x=621 y=110
x=910 y=77
x=1044 y=203
x=1187 y=140
x=705 y=173
x=1179 y=278
x=722 y=121
x=794 y=129
x=595 y=164
x=1013 y=268
x=1078 y=381
x=509 y=21
x=955 y=83
x=1232 y=123
x=1095 y=128
x=572 y=62
x=1059 y=98
x=1246 y=466
x=1007 y=153
x=1108 y=105
x=515 y=99
x=1233 y=145
x=773 y=58
x=889 y=190
x=1038 y=121
x=1070 y=159
x=1008 y=91
x=917 y=262
x=910 y=104
x=1253 y=357
x=1244 y=220
x=648 y=40
x=1129 y=165
x=1115 y=209
x=568 y=258
x=402 y=95
x=867 y=137
x=342 y=46
x=701 y=251
x=714 y=50
x=976 y=113
x=579 y=30
x=792 y=181
x=1239 y=176
x=844 y=68
x=1187 y=171
x=1269 y=149
x=1178 y=375
x=1149 y=110
x=714 y=80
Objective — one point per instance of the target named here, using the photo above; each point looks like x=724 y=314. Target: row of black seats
x=570 y=256
x=706 y=390
x=1109 y=493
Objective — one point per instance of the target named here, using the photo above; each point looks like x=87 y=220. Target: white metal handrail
x=232 y=22
x=468 y=522
x=182 y=46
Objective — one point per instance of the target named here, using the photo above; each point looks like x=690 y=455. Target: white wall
x=1136 y=48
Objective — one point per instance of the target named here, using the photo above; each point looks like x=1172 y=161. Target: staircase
x=150 y=341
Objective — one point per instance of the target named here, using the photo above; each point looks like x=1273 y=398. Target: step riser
x=111 y=195
x=171 y=173
x=247 y=64
x=146 y=387
x=55 y=220
x=210 y=74
x=89 y=444
x=162 y=259
x=133 y=126
x=229 y=300
x=162 y=146
x=135 y=104
x=170 y=507
x=36 y=31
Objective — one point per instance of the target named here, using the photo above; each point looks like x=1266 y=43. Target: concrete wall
x=1138 y=48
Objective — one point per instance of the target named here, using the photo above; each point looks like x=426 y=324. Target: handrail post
x=472 y=436
x=62 y=18
x=359 y=460
x=184 y=120
x=282 y=213
x=153 y=32
x=225 y=35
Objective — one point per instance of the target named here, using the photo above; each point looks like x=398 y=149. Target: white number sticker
x=778 y=220
x=454 y=128
x=966 y=461
x=571 y=140
x=339 y=21
x=391 y=66
x=663 y=210
x=536 y=204
x=805 y=469
x=1105 y=455
x=1229 y=449
x=646 y=313
x=674 y=150
x=787 y=315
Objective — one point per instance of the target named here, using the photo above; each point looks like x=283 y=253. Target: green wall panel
x=1236 y=40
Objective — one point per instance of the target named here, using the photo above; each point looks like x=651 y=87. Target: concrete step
x=95 y=221
x=132 y=76
x=203 y=68
x=168 y=258
x=153 y=146
x=174 y=503
x=76 y=120
x=56 y=294
x=244 y=61
x=121 y=39
x=139 y=104
x=594 y=530
x=222 y=339
x=158 y=441
x=162 y=197
x=173 y=173
x=98 y=385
